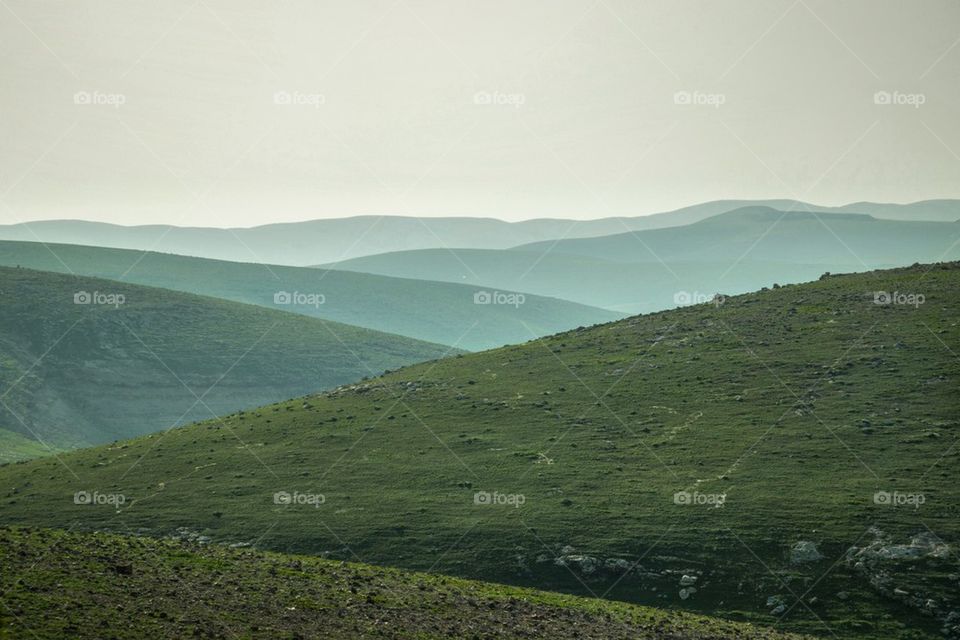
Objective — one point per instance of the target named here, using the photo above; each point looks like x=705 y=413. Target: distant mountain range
x=85 y=360
x=764 y=233
x=464 y=316
x=327 y=241
x=641 y=271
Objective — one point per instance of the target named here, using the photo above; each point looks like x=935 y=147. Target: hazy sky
x=234 y=113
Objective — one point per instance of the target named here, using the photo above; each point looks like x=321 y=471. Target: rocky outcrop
x=889 y=567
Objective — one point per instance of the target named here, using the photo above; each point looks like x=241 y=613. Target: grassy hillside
x=731 y=253
x=433 y=311
x=790 y=455
x=78 y=374
x=162 y=589
x=330 y=240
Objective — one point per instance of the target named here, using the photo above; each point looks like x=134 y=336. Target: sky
x=238 y=113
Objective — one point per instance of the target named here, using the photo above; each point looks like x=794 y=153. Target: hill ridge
x=72 y=349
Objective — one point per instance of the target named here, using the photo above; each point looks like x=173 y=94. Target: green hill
x=787 y=457
x=78 y=374
x=645 y=271
x=98 y=586
x=432 y=311
x=329 y=240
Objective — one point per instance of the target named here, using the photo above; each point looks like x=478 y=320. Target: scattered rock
x=775 y=601
x=805 y=551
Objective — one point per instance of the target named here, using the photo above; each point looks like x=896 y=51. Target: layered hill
x=766 y=234
x=438 y=312
x=86 y=360
x=330 y=240
x=787 y=456
x=169 y=588
x=644 y=271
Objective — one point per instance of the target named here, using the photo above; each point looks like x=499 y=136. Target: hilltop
x=786 y=456
x=85 y=361
x=437 y=312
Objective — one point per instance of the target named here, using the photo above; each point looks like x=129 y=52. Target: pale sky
x=236 y=113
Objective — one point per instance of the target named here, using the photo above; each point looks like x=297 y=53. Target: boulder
x=805 y=551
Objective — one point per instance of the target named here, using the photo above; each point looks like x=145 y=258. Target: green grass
x=78 y=374
x=14 y=446
x=59 y=584
x=797 y=403
x=438 y=312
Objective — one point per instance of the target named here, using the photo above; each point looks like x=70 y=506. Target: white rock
x=686 y=592
x=804 y=551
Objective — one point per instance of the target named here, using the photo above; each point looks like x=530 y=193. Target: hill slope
x=791 y=452
x=330 y=240
x=731 y=253
x=433 y=311
x=78 y=374
x=171 y=589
